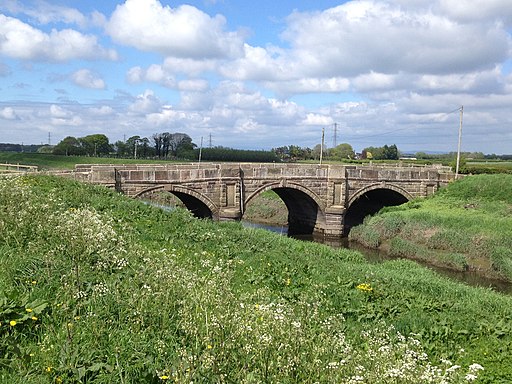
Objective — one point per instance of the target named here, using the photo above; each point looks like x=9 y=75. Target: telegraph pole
x=201 y=149
x=458 y=145
x=322 y=145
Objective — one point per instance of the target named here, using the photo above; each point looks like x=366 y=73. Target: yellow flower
x=28 y=310
x=209 y=346
x=365 y=287
x=12 y=323
x=34 y=282
x=164 y=377
x=48 y=369
x=34 y=318
x=288 y=281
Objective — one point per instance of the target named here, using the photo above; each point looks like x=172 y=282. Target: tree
x=342 y=151
x=95 y=145
x=121 y=148
x=390 y=153
x=169 y=144
x=69 y=146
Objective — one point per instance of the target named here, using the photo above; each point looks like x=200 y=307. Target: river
x=376 y=256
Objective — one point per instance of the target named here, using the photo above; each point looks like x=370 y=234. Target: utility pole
x=322 y=145
x=210 y=140
x=335 y=136
x=201 y=149
x=49 y=138
x=458 y=145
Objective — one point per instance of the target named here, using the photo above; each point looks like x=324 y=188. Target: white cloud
x=60 y=116
x=19 y=40
x=87 y=79
x=316 y=119
x=159 y=74
x=183 y=32
x=373 y=45
x=467 y=10
x=104 y=110
x=146 y=103
x=189 y=66
x=59 y=112
x=193 y=85
x=364 y=36
x=8 y=113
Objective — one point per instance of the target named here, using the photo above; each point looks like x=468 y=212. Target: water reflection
x=377 y=256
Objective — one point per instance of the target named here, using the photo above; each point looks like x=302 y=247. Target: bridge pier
x=334 y=221
x=229 y=214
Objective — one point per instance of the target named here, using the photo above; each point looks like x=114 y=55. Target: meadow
x=465 y=226
x=98 y=288
x=53 y=162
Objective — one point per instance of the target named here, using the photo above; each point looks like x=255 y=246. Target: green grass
x=51 y=162
x=466 y=225
x=103 y=289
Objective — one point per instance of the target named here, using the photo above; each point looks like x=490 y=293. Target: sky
x=260 y=74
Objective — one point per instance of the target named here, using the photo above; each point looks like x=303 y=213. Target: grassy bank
x=51 y=162
x=97 y=288
x=267 y=208
x=467 y=225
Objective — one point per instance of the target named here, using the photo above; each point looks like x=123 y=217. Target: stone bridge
x=321 y=199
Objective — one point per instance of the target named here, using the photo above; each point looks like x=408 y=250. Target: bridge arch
x=306 y=211
x=200 y=206
x=371 y=199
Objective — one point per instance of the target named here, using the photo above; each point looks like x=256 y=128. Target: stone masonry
x=317 y=196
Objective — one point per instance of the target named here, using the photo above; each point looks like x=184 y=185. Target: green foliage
x=341 y=152
x=381 y=153
x=467 y=225
x=125 y=292
x=230 y=154
x=365 y=235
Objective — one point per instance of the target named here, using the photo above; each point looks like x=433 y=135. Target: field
x=466 y=226
x=98 y=288
x=52 y=162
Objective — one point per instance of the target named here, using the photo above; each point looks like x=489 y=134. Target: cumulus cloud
x=153 y=74
x=183 y=32
x=85 y=78
x=60 y=116
x=104 y=110
x=8 y=113
x=19 y=40
x=373 y=42
x=146 y=103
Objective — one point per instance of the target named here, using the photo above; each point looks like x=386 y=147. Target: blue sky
x=258 y=75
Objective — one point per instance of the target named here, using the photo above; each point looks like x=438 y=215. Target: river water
x=376 y=256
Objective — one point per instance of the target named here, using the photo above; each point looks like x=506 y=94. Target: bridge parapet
x=317 y=196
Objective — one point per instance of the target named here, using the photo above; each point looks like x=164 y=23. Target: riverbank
x=99 y=288
x=466 y=226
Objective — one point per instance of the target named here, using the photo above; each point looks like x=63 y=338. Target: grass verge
x=467 y=225
x=97 y=288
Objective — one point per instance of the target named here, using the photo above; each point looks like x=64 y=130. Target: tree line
x=341 y=152
x=161 y=145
